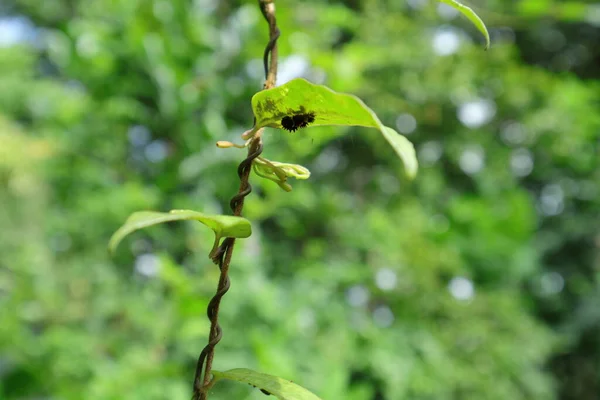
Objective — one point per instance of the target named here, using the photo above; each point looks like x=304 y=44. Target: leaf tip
x=411 y=175
x=488 y=43
x=113 y=243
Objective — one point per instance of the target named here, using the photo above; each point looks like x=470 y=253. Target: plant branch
x=225 y=251
x=268 y=10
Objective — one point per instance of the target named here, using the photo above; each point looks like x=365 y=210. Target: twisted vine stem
x=202 y=382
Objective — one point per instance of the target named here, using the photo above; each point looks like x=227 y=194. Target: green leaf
x=404 y=148
x=278 y=387
x=278 y=172
x=327 y=107
x=222 y=225
x=474 y=18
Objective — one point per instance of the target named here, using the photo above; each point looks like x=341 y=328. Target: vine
x=295 y=105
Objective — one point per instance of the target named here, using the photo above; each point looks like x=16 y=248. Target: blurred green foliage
x=479 y=280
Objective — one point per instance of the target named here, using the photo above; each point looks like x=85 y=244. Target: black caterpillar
x=297 y=121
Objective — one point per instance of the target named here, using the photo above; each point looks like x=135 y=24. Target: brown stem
x=268 y=9
x=225 y=251
x=223 y=259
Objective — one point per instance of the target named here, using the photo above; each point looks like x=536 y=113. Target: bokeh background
x=479 y=280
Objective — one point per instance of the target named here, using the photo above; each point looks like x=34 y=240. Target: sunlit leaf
x=326 y=107
x=222 y=225
x=278 y=387
x=472 y=16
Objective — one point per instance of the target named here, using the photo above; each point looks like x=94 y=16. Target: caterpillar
x=295 y=122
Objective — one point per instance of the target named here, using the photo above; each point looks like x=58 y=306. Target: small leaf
x=292 y=170
x=278 y=172
x=278 y=387
x=474 y=18
x=222 y=225
x=326 y=107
